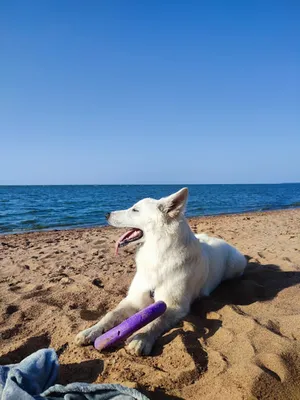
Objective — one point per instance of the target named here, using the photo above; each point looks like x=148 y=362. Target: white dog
x=173 y=264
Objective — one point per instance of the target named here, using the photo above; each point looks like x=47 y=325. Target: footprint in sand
x=273 y=365
x=9 y=333
x=25 y=349
x=99 y=243
x=13 y=287
x=260 y=254
x=38 y=293
x=46 y=256
x=91 y=315
x=35 y=291
x=11 y=309
x=217 y=362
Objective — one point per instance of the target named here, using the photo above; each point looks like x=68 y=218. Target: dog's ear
x=173 y=205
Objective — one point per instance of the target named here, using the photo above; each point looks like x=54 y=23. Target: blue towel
x=33 y=379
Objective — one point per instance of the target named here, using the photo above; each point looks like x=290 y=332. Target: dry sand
x=243 y=342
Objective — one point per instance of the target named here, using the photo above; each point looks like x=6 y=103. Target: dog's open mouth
x=129 y=237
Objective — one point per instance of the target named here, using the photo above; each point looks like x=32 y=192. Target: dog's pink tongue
x=120 y=240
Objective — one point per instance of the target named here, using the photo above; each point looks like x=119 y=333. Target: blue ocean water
x=27 y=208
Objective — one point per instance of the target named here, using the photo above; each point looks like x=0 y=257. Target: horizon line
x=149 y=184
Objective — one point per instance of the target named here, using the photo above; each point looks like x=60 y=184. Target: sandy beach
x=243 y=342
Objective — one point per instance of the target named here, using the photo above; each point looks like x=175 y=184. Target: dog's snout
x=107 y=215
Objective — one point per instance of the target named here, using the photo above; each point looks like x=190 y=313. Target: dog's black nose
x=107 y=215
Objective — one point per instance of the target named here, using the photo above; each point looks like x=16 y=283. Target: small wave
x=4 y=229
x=39 y=227
x=267 y=208
x=68 y=218
x=41 y=211
x=28 y=221
x=31 y=212
x=197 y=209
x=295 y=204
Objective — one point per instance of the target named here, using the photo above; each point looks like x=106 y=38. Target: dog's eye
x=135 y=210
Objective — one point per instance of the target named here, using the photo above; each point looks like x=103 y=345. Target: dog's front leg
x=142 y=342
x=136 y=299
x=124 y=310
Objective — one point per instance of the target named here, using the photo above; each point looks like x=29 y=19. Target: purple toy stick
x=130 y=325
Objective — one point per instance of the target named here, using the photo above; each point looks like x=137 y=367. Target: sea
x=34 y=208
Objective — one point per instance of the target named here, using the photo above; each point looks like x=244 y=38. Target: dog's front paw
x=88 y=336
x=140 y=344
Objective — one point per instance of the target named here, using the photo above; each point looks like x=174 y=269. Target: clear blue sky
x=150 y=91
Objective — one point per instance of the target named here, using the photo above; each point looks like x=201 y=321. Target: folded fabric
x=91 y=391
x=33 y=379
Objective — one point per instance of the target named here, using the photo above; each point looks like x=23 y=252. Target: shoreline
x=91 y=227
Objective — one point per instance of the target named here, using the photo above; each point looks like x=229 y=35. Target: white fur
x=171 y=261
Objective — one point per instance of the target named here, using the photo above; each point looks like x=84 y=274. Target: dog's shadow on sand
x=260 y=282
